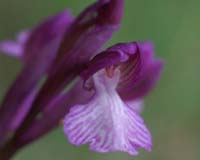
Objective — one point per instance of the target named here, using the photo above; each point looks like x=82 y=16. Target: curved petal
x=44 y=34
x=103 y=60
x=29 y=43
x=139 y=80
x=106 y=122
x=122 y=55
x=91 y=27
x=40 y=50
x=139 y=68
x=21 y=112
x=145 y=83
x=86 y=36
x=112 y=12
x=54 y=112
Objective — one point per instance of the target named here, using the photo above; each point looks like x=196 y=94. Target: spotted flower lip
x=110 y=121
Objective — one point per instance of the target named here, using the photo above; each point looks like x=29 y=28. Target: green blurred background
x=172 y=111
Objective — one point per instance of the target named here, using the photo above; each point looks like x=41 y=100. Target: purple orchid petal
x=21 y=89
x=139 y=68
x=140 y=77
x=89 y=28
x=115 y=55
x=15 y=48
x=145 y=84
x=53 y=28
x=39 y=52
x=102 y=60
x=74 y=51
x=23 y=110
x=112 y=12
x=76 y=48
x=28 y=43
x=52 y=114
x=106 y=122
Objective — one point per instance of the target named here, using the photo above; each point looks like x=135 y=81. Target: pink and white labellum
x=108 y=121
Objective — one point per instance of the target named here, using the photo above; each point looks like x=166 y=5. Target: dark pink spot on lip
x=110 y=71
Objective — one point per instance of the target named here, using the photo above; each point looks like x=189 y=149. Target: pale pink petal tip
x=106 y=122
x=15 y=48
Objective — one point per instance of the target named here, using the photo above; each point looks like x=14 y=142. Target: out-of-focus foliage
x=171 y=111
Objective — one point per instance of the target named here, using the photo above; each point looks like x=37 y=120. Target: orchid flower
x=110 y=120
x=105 y=91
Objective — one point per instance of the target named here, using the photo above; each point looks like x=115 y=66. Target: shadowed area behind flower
x=171 y=112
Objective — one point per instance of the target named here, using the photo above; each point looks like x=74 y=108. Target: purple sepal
x=29 y=43
x=15 y=48
x=84 y=38
x=102 y=60
x=38 y=57
x=51 y=115
x=46 y=33
x=74 y=51
x=141 y=80
x=23 y=110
